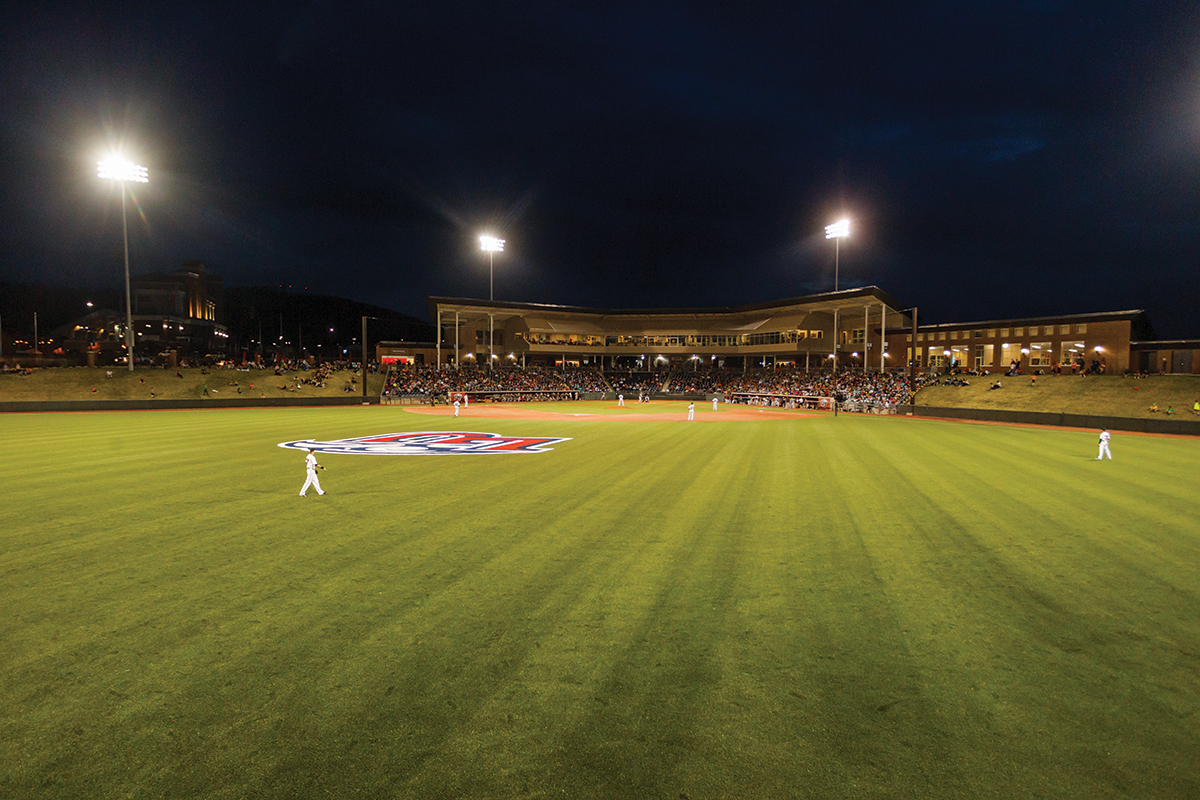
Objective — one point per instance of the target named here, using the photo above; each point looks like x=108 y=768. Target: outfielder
x=620 y=401
x=691 y=411
x=311 y=465
x=456 y=406
x=1104 y=451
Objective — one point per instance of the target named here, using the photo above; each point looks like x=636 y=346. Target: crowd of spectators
x=770 y=387
x=631 y=383
x=688 y=381
x=853 y=389
x=509 y=382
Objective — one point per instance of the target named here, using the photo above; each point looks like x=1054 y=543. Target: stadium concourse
x=782 y=388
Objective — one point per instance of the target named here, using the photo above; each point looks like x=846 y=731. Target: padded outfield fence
x=1177 y=427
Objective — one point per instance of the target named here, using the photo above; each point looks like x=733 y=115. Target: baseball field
x=749 y=605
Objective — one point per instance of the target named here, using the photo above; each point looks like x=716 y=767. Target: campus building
x=862 y=328
x=171 y=311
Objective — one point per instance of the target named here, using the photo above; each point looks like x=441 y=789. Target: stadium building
x=862 y=328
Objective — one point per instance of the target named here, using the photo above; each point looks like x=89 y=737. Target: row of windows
x=1004 y=333
x=680 y=340
x=1037 y=354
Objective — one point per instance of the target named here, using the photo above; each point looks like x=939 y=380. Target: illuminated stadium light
x=118 y=169
x=838 y=230
x=491 y=245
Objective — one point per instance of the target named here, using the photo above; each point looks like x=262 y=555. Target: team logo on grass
x=428 y=443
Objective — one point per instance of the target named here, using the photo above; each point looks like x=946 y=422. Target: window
x=920 y=337
x=858 y=336
x=1033 y=330
x=1064 y=330
x=816 y=334
x=991 y=334
x=983 y=356
x=1009 y=352
x=1040 y=354
x=941 y=336
x=1004 y=333
x=953 y=335
x=978 y=334
x=908 y=338
x=1081 y=327
x=1018 y=331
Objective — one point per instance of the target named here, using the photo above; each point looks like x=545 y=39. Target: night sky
x=995 y=159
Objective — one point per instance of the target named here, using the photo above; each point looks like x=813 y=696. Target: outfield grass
x=857 y=607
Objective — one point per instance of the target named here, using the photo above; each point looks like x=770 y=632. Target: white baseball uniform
x=456 y=407
x=1104 y=451
x=310 y=464
x=714 y=404
x=691 y=411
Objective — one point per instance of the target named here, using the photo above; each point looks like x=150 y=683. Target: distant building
x=865 y=327
x=178 y=310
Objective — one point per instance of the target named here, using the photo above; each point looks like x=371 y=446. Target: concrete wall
x=144 y=405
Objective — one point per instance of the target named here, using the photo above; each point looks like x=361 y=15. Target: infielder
x=691 y=411
x=620 y=401
x=714 y=404
x=1104 y=451
x=456 y=406
x=311 y=465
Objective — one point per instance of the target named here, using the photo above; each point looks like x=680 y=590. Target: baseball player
x=620 y=401
x=1104 y=451
x=691 y=411
x=714 y=404
x=311 y=466
x=456 y=406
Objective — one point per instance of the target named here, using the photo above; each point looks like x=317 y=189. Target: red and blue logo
x=429 y=443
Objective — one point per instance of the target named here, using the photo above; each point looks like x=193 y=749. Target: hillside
x=77 y=383
x=1070 y=394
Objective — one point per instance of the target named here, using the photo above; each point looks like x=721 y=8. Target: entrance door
x=1181 y=362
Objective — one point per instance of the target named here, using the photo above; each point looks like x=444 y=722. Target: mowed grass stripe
x=813 y=607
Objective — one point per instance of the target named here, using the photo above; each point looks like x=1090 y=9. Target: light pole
x=491 y=245
x=118 y=169
x=364 y=356
x=837 y=231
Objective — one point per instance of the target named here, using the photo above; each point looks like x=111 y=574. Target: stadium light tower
x=118 y=169
x=491 y=245
x=837 y=231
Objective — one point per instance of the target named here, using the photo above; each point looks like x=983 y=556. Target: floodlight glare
x=838 y=230
x=491 y=244
x=118 y=169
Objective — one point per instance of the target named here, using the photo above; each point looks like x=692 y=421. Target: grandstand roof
x=543 y=317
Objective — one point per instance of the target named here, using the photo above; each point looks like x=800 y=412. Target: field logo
x=427 y=443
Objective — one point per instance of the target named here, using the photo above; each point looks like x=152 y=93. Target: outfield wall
x=1179 y=425
x=144 y=405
